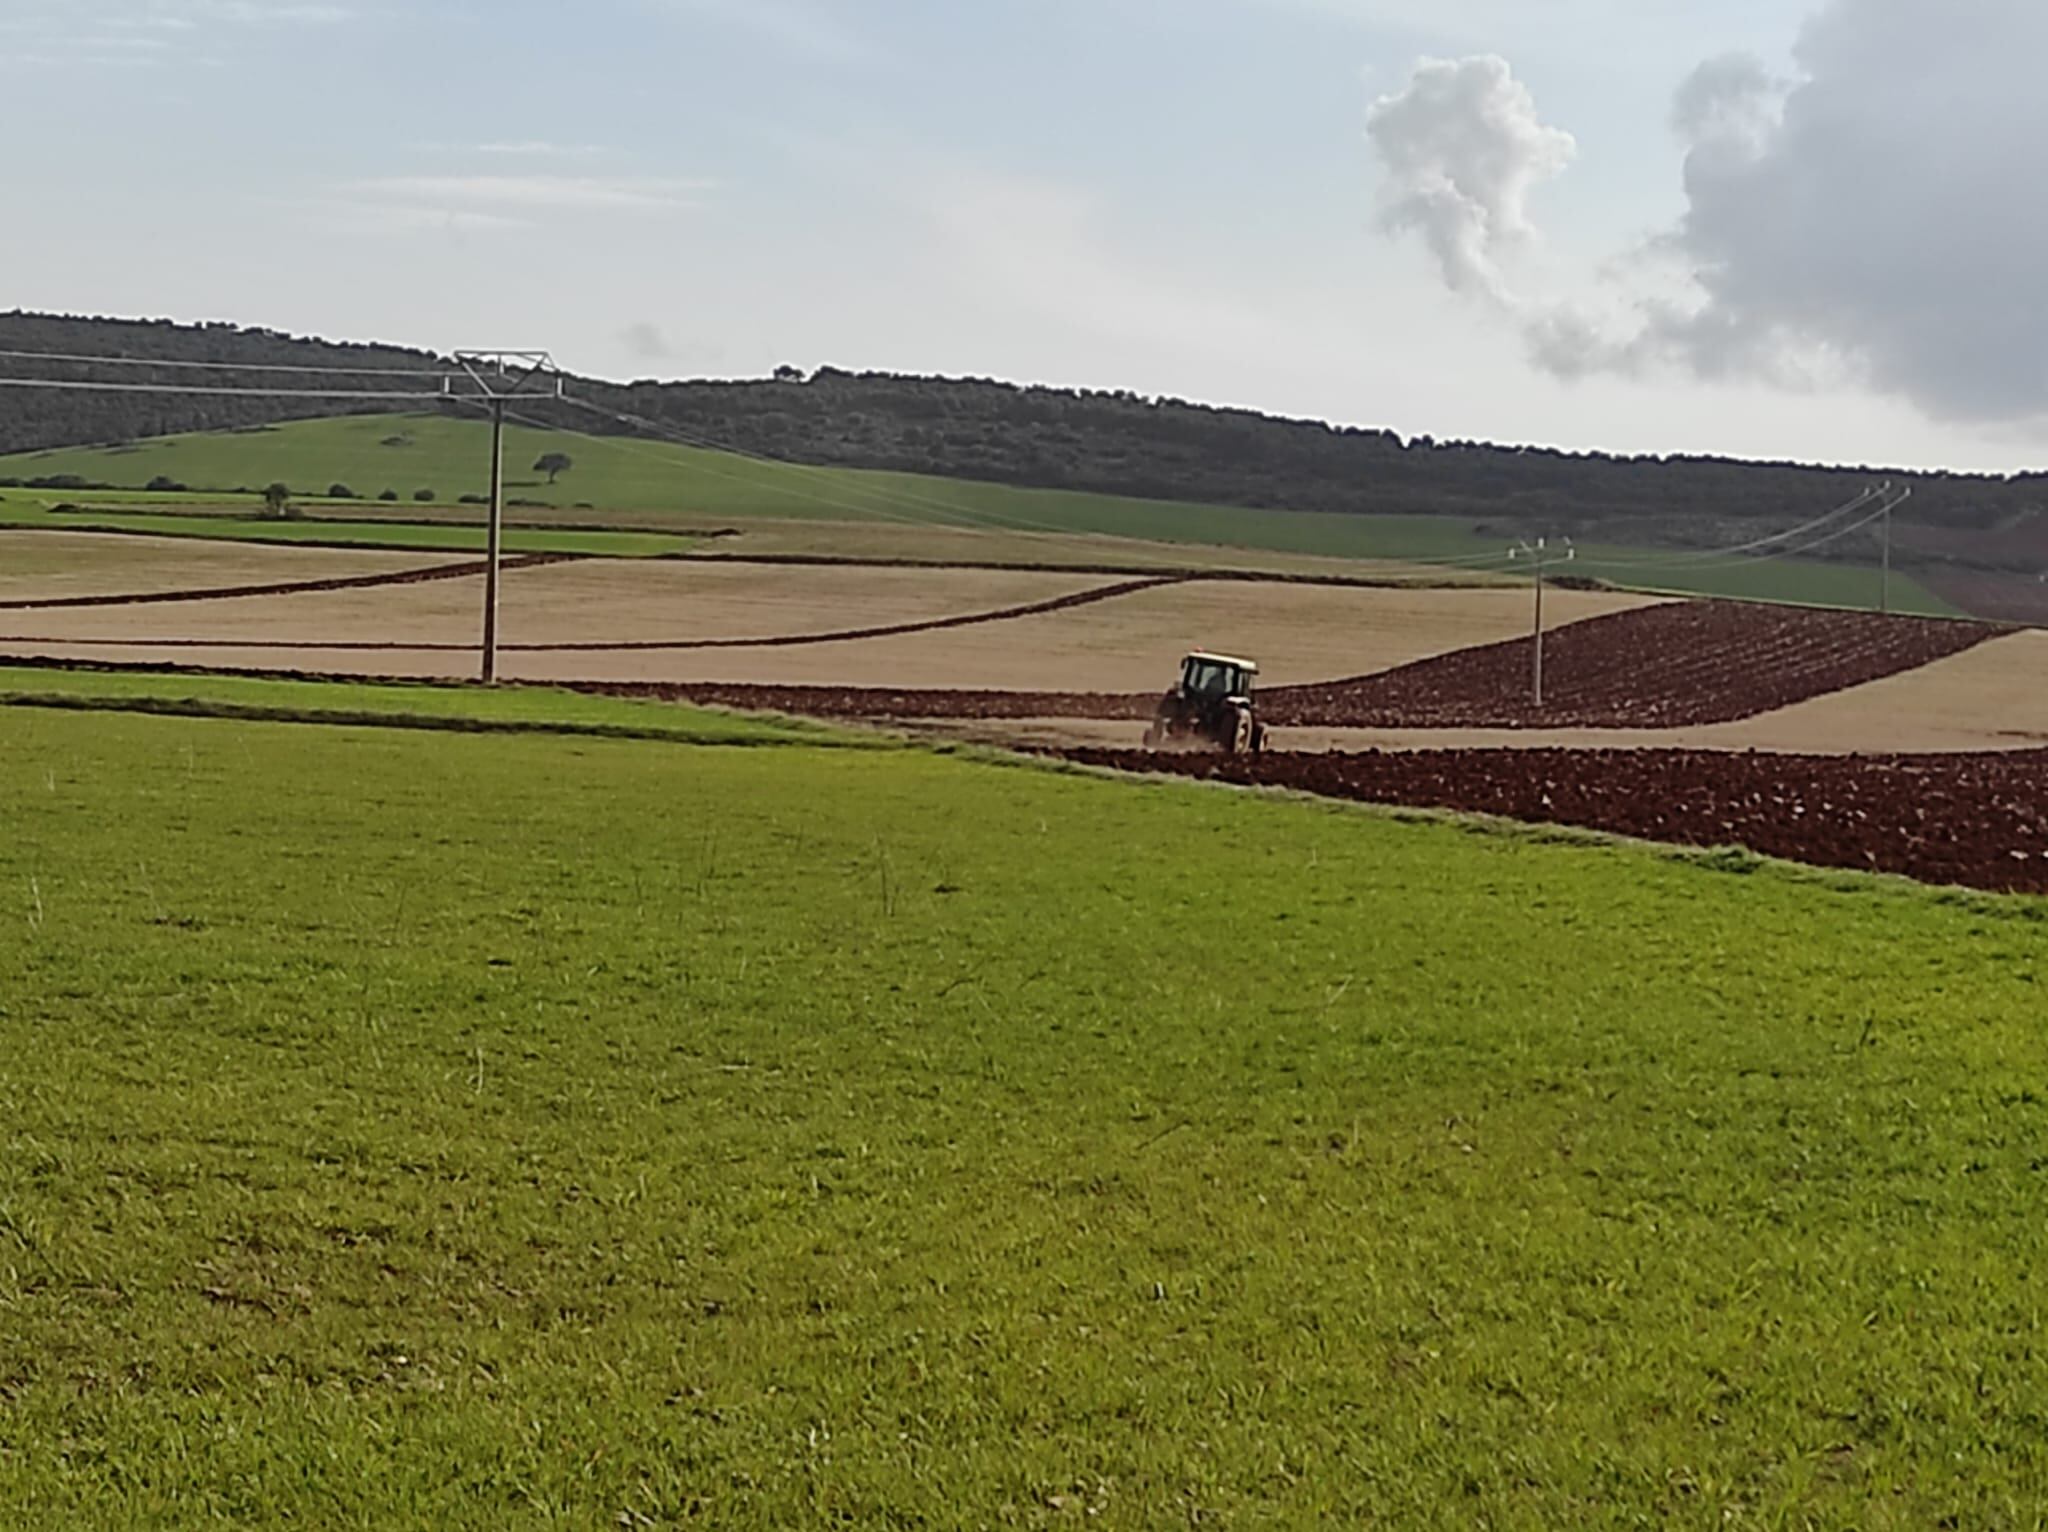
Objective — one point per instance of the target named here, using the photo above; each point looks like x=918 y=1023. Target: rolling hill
x=1088 y=442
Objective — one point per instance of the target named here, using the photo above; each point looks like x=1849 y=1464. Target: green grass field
x=650 y=479
x=511 y=708
x=409 y=1129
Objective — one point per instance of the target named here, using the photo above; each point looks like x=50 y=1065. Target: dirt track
x=1976 y=820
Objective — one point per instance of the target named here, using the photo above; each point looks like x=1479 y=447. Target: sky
x=1804 y=229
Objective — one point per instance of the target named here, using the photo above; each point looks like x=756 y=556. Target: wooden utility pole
x=1542 y=556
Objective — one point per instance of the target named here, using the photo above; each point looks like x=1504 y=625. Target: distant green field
x=427 y=1130
x=701 y=489
x=26 y=509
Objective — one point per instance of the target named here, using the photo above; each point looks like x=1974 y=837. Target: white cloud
x=1462 y=147
x=367 y=216
x=96 y=33
x=537 y=192
x=263 y=12
x=537 y=148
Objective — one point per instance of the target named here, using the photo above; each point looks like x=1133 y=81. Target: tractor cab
x=1210 y=707
x=1216 y=677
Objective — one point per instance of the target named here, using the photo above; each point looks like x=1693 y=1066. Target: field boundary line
x=96 y=529
x=856 y=635
x=441 y=723
x=467 y=569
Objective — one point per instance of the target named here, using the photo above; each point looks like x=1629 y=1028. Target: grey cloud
x=645 y=341
x=1733 y=101
x=1886 y=211
x=1875 y=218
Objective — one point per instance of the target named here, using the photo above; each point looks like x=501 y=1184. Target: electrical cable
x=71 y=386
x=192 y=366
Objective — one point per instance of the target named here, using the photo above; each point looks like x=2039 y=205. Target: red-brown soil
x=1998 y=597
x=1656 y=667
x=1659 y=667
x=1976 y=820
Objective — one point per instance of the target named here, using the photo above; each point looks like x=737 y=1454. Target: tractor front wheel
x=1242 y=735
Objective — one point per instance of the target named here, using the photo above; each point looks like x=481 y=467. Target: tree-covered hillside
x=1117 y=443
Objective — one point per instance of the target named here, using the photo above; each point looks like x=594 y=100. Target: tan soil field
x=599 y=601
x=1299 y=633
x=37 y=565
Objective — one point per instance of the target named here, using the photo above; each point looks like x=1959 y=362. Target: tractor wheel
x=1258 y=739
x=1241 y=734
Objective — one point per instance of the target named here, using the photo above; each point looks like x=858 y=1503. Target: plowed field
x=1976 y=820
x=1658 y=667
x=1661 y=667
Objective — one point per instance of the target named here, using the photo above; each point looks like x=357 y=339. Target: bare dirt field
x=1976 y=820
x=1683 y=664
x=589 y=602
x=37 y=565
x=1301 y=633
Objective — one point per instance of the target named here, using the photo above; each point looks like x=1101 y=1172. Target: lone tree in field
x=554 y=465
x=277 y=499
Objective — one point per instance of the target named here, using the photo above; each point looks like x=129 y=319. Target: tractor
x=1209 y=707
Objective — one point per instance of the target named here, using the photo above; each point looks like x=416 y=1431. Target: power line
x=988 y=519
x=1891 y=504
x=515 y=368
x=966 y=518
x=1713 y=555
x=76 y=386
x=192 y=366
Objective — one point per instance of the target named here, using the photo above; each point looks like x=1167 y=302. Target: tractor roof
x=1224 y=659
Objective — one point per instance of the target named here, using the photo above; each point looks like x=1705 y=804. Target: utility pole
x=1884 y=597
x=501 y=376
x=1542 y=555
